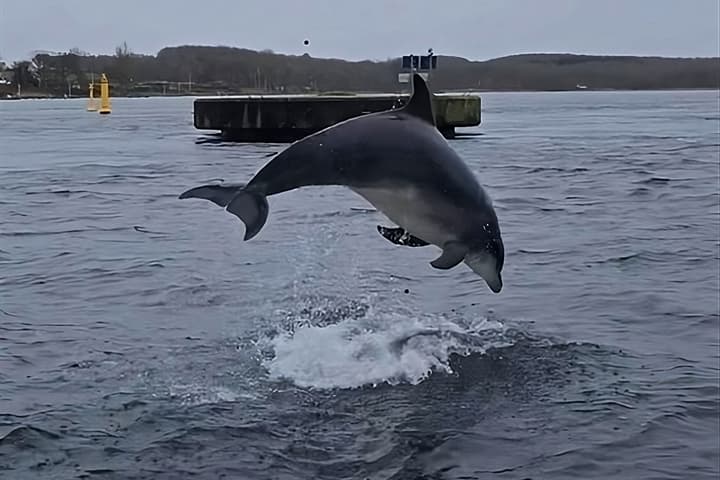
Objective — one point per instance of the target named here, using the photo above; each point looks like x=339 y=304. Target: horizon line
x=35 y=52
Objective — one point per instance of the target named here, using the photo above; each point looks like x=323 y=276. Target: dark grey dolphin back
x=357 y=151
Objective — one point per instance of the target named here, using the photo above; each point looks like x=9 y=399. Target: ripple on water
x=142 y=338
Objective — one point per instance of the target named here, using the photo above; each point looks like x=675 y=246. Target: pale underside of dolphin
x=400 y=163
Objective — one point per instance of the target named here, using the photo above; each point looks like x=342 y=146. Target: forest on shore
x=218 y=70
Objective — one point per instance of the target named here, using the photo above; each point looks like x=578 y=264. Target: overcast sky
x=366 y=29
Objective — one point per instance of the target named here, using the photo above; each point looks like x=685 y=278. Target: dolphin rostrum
x=399 y=162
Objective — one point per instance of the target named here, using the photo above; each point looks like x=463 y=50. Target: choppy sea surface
x=140 y=337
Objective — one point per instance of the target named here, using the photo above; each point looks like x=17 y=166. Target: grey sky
x=366 y=29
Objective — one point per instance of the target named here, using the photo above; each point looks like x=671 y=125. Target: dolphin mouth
x=484 y=265
x=495 y=284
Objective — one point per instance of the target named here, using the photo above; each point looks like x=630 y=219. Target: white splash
x=379 y=348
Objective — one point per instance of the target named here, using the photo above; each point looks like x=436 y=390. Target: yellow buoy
x=92 y=103
x=104 y=95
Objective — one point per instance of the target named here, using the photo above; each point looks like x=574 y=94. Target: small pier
x=286 y=118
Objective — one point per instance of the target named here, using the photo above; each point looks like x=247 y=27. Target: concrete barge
x=286 y=118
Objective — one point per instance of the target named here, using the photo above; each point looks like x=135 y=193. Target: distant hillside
x=203 y=69
x=565 y=71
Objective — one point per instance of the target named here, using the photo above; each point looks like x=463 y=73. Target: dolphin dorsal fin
x=420 y=103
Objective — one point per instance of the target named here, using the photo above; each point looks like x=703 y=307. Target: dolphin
x=400 y=163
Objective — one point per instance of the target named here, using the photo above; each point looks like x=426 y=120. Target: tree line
x=225 y=70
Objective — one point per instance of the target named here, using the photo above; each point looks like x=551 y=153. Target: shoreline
x=9 y=97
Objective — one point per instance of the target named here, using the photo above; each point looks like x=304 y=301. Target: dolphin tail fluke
x=250 y=207
x=220 y=195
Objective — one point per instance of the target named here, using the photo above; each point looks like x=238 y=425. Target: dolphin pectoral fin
x=400 y=236
x=453 y=253
x=252 y=208
x=220 y=195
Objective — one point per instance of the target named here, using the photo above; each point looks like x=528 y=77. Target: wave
x=375 y=348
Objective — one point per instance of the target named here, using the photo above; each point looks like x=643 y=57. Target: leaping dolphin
x=399 y=162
